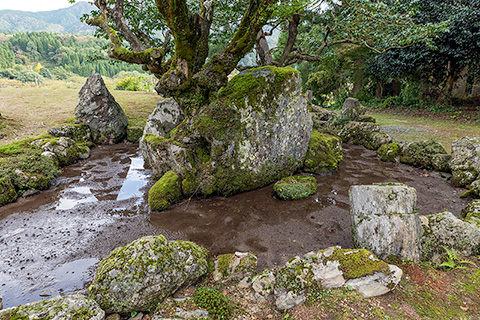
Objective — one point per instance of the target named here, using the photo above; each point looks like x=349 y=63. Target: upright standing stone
x=98 y=108
x=352 y=109
x=384 y=221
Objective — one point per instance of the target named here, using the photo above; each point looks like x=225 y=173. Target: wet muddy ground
x=51 y=242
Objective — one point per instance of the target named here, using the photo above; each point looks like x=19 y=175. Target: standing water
x=50 y=243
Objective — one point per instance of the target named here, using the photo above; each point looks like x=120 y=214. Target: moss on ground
x=324 y=153
x=165 y=191
x=7 y=191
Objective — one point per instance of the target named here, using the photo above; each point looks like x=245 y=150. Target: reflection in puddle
x=68 y=202
x=135 y=180
x=68 y=278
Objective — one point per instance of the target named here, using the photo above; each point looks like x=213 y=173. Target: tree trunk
x=263 y=51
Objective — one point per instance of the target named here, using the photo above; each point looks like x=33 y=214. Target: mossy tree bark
x=184 y=75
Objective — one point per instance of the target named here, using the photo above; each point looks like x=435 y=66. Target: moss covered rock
x=7 y=192
x=389 y=152
x=420 y=154
x=255 y=132
x=441 y=162
x=471 y=213
x=165 y=191
x=65 y=150
x=295 y=187
x=465 y=161
x=376 y=140
x=324 y=153
x=234 y=266
x=77 y=132
x=356 y=132
x=332 y=268
x=352 y=110
x=140 y=275
x=442 y=230
x=72 y=307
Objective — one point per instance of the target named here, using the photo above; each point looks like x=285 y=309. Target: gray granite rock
x=98 y=108
x=384 y=221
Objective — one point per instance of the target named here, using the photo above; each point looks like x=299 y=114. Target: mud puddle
x=50 y=243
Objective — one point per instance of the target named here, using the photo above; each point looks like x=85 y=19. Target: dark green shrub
x=217 y=305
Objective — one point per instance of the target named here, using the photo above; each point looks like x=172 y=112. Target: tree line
x=59 y=56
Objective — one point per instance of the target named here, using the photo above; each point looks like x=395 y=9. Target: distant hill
x=60 y=21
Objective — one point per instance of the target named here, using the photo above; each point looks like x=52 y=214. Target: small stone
x=234 y=266
x=114 y=316
x=295 y=187
x=420 y=154
x=165 y=192
x=30 y=193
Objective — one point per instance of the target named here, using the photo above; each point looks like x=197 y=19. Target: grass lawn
x=30 y=112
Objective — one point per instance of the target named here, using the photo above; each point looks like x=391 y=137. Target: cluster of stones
x=384 y=222
x=101 y=121
x=143 y=274
x=257 y=131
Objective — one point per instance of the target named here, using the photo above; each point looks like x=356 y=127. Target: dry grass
x=31 y=112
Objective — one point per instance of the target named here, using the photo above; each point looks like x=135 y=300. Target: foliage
x=435 y=68
x=453 y=262
x=55 y=55
x=133 y=81
x=217 y=305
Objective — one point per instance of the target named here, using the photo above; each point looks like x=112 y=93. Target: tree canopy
x=171 y=38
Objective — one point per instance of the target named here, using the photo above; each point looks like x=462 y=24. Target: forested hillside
x=60 y=21
x=45 y=55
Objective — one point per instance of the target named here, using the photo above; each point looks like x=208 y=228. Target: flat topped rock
x=98 y=108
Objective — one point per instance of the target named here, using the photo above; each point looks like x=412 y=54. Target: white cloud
x=34 y=5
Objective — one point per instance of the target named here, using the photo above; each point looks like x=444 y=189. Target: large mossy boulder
x=165 y=191
x=420 y=154
x=98 y=108
x=324 y=153
x=465 y=161
x=7 y=192
x=256 y=132
x=295 y=187
x=140 y=275
x=71 y=307
x=471 y=212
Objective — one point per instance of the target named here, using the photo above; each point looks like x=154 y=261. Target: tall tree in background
x=171 y=38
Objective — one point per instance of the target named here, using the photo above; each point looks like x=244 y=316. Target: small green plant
x=217 y=305
x=453 y=261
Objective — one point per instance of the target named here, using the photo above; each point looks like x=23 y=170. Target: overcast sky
x=34 y=5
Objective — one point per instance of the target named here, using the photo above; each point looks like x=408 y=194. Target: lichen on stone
x=358 y=263
x=138 y=276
